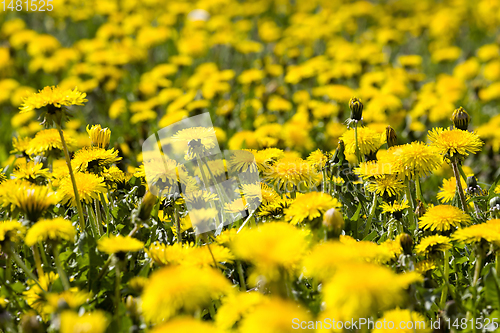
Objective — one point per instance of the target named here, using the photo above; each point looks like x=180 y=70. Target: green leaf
x=492 y=290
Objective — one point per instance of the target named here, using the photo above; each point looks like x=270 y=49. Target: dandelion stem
x=446 y=274
x=177 y=225
x=72 y=176
x=358 y=152
x=497 y=264
x=21 y=264
x=60 y=270
x=243 y=286
x=93 y=226
x=370 y=218
x=38 y=261
x=108 y=215
x=98 y=217
x=117 y=292
x=459 y=185
x=44 y=256
x=211 y=253
x=104 y=269
x=419 y=190
x=411 y=210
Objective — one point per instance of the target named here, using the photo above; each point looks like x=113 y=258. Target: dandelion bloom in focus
x=443 y=218
x=53 y=96
x=489 y=232
x=455 y=141
x=433 y=244
x=309 y=206
x=89 y=187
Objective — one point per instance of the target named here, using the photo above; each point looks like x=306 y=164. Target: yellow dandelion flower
x=443 y=218
x=369 y=141
x=90 y=322
x=33 y=200
x=394 y=207
x=94 y=159
x=89 y=187
x=374 y=169
x=12 y=231
x=237 y=306
x=55 y=230
x=236 y=206
x=185 y=324
x=321 y=264
x=20 y=145
x=271 y=247
x=433 y=244
x=178 y=254
x=450 y=142
x=416 y=159
x=31 y=172
x=73 y=298
x=181 y=288
x=278 y=316
x=35 y=297
x=447 y=191
x=266 y=157
x=290 y=172
x=199 y=199
x=309 y=206
x=243 y=161
x=48 y=141
x=424 y=266
x=117 y=244
x=489 y=232
x=53 y=96
x=414 y=322
x=387 y=184
x=318 y=159
x=350 y=294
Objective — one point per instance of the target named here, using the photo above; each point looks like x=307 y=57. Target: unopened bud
x=392 y=137
x=99 y=137
x=461 y=119
x=406 y=243
x=147 y=204
x=356 y=107
x=334 y=222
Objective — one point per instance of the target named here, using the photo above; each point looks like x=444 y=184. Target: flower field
x=249 y=166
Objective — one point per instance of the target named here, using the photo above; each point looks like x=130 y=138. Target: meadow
x=358 y=142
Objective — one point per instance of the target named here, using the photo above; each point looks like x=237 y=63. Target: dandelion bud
x=392 y=137
x=148 y=201
x=461 y=119
x=99 y=137
x=420 y=210
x=406 y=243
x=334 y=222
x=356 y=107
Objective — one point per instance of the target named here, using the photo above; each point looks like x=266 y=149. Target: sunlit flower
x=309 y=206
x=89 y=187
x=177 y=254
x=117 y=244
x=196 y=138
x=394 y=207
x=99 y=137
x=489 y=232
x=443 y=218
x=33 y=200
x=55 y=230
x=49 y=140
x=11 y=231
x=35 y=296
x=237 y=306
x=416 y=159
x=455 y=141
x=291 y=172
x=31 y=172
x=368 y=141
x=94 y=159
x=388 y=185
x=433 y=244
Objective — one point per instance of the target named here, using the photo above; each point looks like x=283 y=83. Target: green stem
x=106 y=211
x=44 y=256
x=358 y=152
x=419 y=190
x=177 y=224
x=372 y=214
x=98 y=217
x=243 y=286
x=118 y=282
x=60 y=270
x=72 y=176
x=38 y=261
x=21 y=264
x=104 y=269
x=462 y=173
x=459 y=185
x=411 y=214
x=497 y=264
x=446 y=274
x=93 y=226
